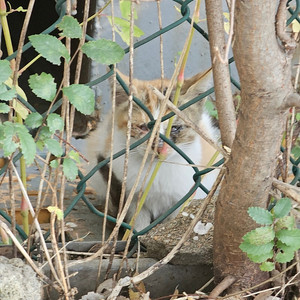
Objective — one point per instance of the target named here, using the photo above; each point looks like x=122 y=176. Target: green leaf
x=44 y=133
x=4 y=108
x=287 y=222
x=5 y=70
x=40 y=145
x=26 y=142
x=267 y=266
x=260 y=215
x=125 y=8
x=296 y=152
x=49 y=47
x=70 y=27
x=82 y=97
x=58 y=212
x=261 y=257
x=74 y=155
x=259 y=236
x=6 y=94
x=256 y=250
x=122 y=27
x=282 y=207
x=34 y=120
x=284 y=257
x=55 y=122
x=290 y=237
x=70 y=169
x=103 y=51
x=54 y=147
x=54 y=163
x=43 y=86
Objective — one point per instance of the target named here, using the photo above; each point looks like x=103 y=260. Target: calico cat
x=174 y=178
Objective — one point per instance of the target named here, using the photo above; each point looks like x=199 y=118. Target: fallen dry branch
x=287 y=189
x=221 y=287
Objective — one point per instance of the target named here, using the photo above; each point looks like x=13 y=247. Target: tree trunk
x=264 y=71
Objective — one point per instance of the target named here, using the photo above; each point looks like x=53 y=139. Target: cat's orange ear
x=121 y=94
x=197 y=85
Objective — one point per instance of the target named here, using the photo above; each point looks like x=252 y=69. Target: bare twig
x=222 y=286
x=36 y=223
x=288 y=189
x=287 y=41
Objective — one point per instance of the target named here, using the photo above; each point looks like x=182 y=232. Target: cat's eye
x=176 y=128
x=143 y=127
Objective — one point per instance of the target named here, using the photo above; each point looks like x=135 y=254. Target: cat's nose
x=158 y=145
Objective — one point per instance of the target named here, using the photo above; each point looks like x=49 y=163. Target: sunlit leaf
x=58 y=212
x=282 y=207
x=4 y=108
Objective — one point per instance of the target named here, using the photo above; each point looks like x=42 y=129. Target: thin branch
x=222 y=84
x=288 y=189
x=222 y=286
x=287 y=41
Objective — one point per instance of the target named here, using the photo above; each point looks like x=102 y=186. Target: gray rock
x=18 y=281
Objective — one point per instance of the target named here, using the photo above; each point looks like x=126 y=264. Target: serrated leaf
x=282 y=207
x=287 y=222
x=6 y=94
x=122 y=27
x=82 y=97
x=267 y=266
x=4 y=108
x=70 y=169
x=284 y=257
x=103 y=51
x=260 y=236
x=261 y=257
x=58 y=212
x=55 y=122
x=290 y=237
x=49 y=47
x=27 y=143
x=256 y=250
x=43 y=86
x=5 y=70
x=70 y=27
x=260 y=215
x=54 y=147
x=74 y=155
x=34 y=120
x=54 y=163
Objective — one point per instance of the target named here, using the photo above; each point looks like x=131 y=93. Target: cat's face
x=181 y=134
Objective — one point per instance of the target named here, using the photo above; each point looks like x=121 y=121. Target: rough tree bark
x=264 y=70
